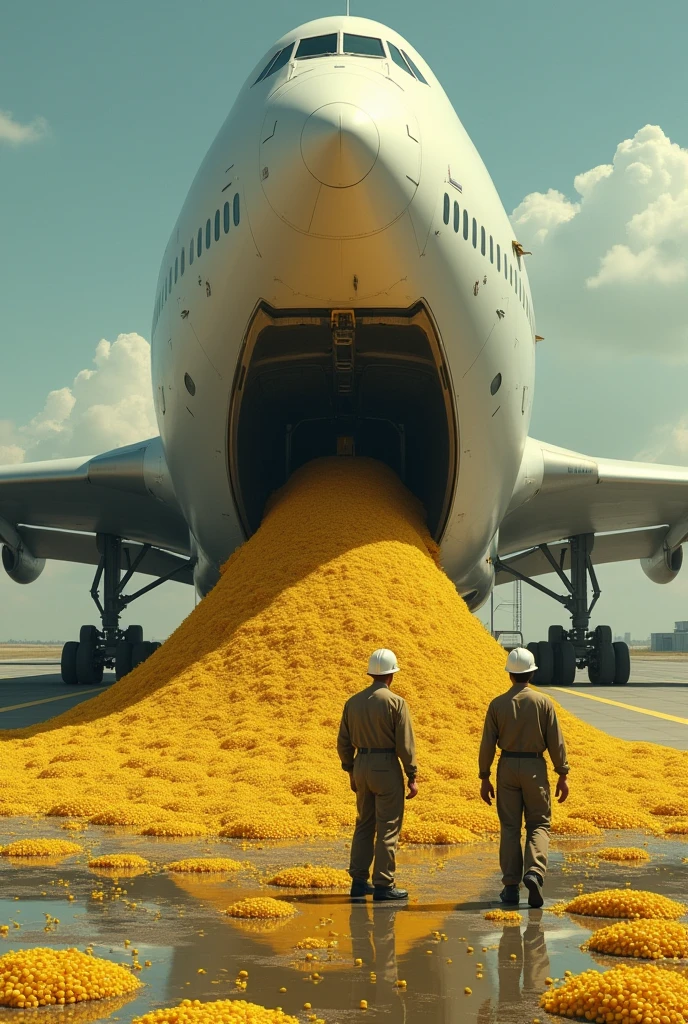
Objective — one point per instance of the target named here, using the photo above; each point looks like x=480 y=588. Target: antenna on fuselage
x=348 y=7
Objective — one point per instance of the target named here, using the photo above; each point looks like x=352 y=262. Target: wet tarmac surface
x=435 y=944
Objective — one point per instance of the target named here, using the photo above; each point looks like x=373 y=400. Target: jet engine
x=476 y=587
x=18 y=562
x=665 y=565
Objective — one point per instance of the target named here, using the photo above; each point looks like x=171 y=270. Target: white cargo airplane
x=343 y=279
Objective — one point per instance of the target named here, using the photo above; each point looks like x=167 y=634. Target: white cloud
x=16 y=133
x=668 y=444
x=106 y=406
x=609 y=269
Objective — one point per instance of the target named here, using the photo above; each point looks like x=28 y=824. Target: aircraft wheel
x=123 y=658
x=68 y=663
x=622 y=657
x=564 y=663
x=603 y=635
x=88 y=668
x=533 y=648
x=602 y=665
x=141 y=652
x=555 y=634
x=88 y=635
x=545 y=663
x=134 y=634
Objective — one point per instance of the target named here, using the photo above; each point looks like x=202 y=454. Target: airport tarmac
x=652 y=707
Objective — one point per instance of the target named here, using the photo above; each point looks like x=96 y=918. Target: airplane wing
x=634 y=509
x=54 y=510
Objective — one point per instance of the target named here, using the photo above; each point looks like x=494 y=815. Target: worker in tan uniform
x=376 y=727
x=523 y=723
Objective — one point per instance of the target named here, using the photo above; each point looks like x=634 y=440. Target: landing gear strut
x=110 y=647
x=564 y=650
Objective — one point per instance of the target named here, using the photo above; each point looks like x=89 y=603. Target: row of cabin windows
x=469 y=229
x=329 y=45
x=213 y=228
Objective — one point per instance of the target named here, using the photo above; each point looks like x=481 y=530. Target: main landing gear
x=564 y=650
x=83 y=661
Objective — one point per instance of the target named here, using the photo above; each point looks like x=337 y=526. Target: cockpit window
x=364 y=46
x=415 y=69
x=275 y=63
x=317 y=46
x=395 y=54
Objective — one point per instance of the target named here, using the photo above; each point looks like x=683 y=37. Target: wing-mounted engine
x=665 y=564
x=20 y=564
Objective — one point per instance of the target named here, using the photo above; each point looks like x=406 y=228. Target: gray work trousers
x=380 y=805
x=523 y=793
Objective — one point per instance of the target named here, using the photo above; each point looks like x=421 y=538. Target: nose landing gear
x=579 y=647
x=84 y=661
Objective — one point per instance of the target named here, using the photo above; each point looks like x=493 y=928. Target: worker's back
x=522 y=715
x=373 y=717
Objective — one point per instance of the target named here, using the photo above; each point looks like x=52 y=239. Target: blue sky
x=132 y=94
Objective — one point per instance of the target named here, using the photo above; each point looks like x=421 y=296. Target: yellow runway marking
x=49 y=700
x=618 y=704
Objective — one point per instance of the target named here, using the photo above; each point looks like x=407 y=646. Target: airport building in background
x=676 y=641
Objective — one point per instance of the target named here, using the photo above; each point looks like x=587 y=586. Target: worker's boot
x=533 y=884
x=389 y=893
x=360 y=889
x=511 y=894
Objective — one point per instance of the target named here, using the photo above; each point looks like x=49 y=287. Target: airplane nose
x=340 y=154
x=340 y=144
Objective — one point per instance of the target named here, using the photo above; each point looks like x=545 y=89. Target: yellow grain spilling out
x=625 y=994
x=315 y=942
x=204 y=865
x=504 y=916
x=630 y=903
x=119 y=862
x=230 y=726
x=49 y=977
x=309 y=877
x=40 y=848
x=622 y=853
x=260 y=907
x=648 y=940
x=223 y=1011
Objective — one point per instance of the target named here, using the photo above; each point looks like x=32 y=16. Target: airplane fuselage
x=343 y=182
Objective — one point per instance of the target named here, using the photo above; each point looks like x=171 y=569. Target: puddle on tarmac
x=176 y=923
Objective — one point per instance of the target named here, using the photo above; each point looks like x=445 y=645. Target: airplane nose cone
x=340 y=144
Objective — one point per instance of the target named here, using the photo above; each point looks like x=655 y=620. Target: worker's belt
x=520 y=753
x=376 y=750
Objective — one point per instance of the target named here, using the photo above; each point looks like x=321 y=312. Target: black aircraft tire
x=123 y=656
x=68 y=663
x=555 y=634
x=545 y=663
x=134 y=634
x=564 y=663
x=622 y=657
x=603 y=635
x=141 y=652
x=601 y=671
x=88 y=635
x=87 y=668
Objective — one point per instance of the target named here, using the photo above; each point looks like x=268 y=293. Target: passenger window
x=225 y=215
x=217 y=225
x=236 y=209
x=446 y=208
x=395 y=54
x=414 y=68
x=191 y=251
x=176 y=268
x=363 y=46
x=199 y=242
x=457 y=217
x=207 y=233
x=491 y=250
x=465 y=224
x=475 y=233
x=317 y=46
x=482 y=240
x=181 y=265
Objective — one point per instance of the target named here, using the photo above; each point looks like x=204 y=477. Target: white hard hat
x=382 y=662
x=520 y=661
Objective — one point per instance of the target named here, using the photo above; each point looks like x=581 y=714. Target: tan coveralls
x=377 y=725
x=522 y=720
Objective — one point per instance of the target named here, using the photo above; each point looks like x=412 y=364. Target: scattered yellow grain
x=204 y=865
x=175 y=828
x=309 y=877
x=505 y=916
x=260 y=906
x=314 y=942
x=622 y=853
x=625 y=994
x=649 y=940
x=40 y=848
x=223 y=1011
x=47 y=977
x=436 y=833
x=120 y=862
x=630 y=903
x=677 y=828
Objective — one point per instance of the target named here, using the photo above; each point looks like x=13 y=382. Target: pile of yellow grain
x=222 y=1011
x=630 y=854
x=650 y=995
x=40 y=848
x=630 y=903
x=49 y=977
x=230 y=726
x=648 y=940
x=260 y=907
